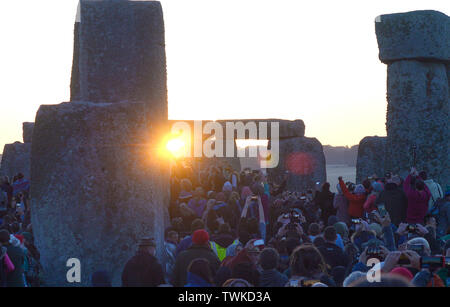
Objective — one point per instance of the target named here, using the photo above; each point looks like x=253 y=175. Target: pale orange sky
x=316 y=61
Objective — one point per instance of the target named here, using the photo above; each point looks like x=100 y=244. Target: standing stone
x=16 y=159
x=122 y=52
x=416 y=47
x=371 y=157
x=98 y=184
x=304 y=159
x=27 y=131
x=417 y=35
x=99 y=189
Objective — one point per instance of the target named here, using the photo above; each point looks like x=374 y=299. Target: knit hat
x=200 y=237
x=377 y=228
x=359 y=189
x=227 y=187
x=342 y=229
x=403 y=272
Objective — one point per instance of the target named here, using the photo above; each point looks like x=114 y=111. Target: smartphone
x=309 y=282
x=433 y=262
x=356 y=221
x=411 y=228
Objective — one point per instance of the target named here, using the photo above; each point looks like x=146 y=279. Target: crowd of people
x=231 y=229
x=240 y=229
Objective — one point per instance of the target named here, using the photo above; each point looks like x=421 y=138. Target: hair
x=423 y=175
x=352 y=278
x=196 y=225
x=244 y=236
x=186 y=185
x=246 y=271
x=306 y=261
x=326 y=187
x=314 y=229
x=201 y=268
x=318 y=241
x=420 y=185
x=4 y=236
x=366 y=183
x=421 y=241
x=292 y=244
x=236 y=282
x=268 y=259
x=329 y=233
x=225 y=228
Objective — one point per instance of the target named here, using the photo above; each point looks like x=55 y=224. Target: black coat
x=334 y=256
x=185 y=258
x=395 y=201
x=142 y=270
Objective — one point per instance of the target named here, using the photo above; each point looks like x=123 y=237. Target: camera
x=434 y=262
x=411 y=228
x=356 y=221
x=254 y=197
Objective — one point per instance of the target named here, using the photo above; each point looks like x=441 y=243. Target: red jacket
x=417 y=202
x=355 y=201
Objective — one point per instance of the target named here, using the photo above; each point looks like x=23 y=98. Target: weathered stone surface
x=418 y=114
x=371 y=157
x=27 y=130
x=423 y=35
x=16 y=159
x=97 y=187
x=122 y=52
x=303 y=157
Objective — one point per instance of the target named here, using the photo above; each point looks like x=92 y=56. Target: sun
x=176 y=146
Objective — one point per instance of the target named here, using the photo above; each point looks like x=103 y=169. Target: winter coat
x=340 y=202
x=272 y=278
x=17 y=256
x=356 y=201
x=394 y=199
x=417 y=202
x=185 y=258
x=142 y=270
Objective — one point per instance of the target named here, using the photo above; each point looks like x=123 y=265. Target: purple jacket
x=417 y=202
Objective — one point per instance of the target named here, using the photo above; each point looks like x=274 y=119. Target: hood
x=193 y=280
x=223 y=239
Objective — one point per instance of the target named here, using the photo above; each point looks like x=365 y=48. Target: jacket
x=272 y=278
x=417 y=202
x=356 y=201
x=185 y=258
x=395 y=202
x=142 y=270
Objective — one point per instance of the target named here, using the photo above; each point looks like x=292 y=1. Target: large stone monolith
x=16 y=159
x=98 y=184
x=371 y=157
x=416 y=47
x=303 y=157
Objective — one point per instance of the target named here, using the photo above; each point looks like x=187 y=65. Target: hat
x=377 y=228
x=377 y=187
x=227 y=187
x=147 y=242
x=200 y=237
x=359 y=189
x=403 y=272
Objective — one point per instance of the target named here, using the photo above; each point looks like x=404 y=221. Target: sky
x=310 y=60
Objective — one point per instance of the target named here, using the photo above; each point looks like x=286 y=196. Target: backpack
x=436 y=193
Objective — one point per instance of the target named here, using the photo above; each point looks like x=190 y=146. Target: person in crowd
x=198 y=203
x=435 y=189
x=200 y=248
x=270 y=276
x=418 y=196
x=324 y=200
x=340 y=203
x=369 y=204
x=186 y=242
x=143 y=269
x=199 y=274
x=170 y=248
x=332 y=254
x=222 y=240
x=394 y=199
x=356 y=200
x=16 y=254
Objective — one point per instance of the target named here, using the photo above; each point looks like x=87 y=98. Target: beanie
x=200 y=237
x=403 y=272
